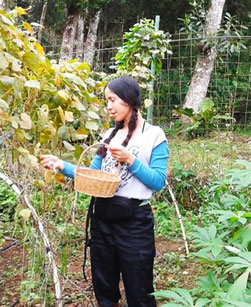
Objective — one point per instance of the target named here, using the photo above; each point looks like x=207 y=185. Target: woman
x=122 y=235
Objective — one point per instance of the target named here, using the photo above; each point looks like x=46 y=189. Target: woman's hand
x=52 y=162
x=121 y=154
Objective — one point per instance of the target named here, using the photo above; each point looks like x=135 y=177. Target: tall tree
x=205 y=62
x=79 y=41
x=67 y=47
x=74 y=9
x=89 y=50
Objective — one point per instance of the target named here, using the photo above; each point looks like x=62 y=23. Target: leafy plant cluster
x=44 y=105
x=202 y=123
x=223 y=246
x=7 y=209
x=194 y=26
x=143 y=46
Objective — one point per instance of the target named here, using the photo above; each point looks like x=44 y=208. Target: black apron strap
x=87 y=240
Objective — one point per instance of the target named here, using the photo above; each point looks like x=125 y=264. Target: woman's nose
x=109 y=105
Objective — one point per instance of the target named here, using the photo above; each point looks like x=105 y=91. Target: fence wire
x=229 y=86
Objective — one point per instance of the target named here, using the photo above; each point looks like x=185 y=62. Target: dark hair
x=129 y=91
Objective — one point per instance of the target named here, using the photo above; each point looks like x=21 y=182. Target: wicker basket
x=95 y=182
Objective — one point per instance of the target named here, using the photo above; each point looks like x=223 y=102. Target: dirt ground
x=79 y=293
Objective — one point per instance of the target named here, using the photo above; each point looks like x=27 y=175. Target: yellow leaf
x=39 y=49
x=65 y=95
x=25 y=214
x=82 y=131
x=20 y=11
x=33 y=161
x=26 y=122
x=52 y=129
x=59 y=178
x=20 y=135
x=148 y=102
x=44 y=111
x=23 y=150
x=48 y=176
x=37 y=150
x=58 y=80
x=61 y=113
x=4 y=116
x=28 y=27
x=69 y=116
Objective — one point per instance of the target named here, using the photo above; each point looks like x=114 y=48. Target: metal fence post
x=150 y=108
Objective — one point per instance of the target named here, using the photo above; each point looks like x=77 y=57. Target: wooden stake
x=179 y=216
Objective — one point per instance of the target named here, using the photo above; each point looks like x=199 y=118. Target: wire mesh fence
x=229 y=86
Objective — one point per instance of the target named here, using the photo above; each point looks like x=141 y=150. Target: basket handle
x=83 y=153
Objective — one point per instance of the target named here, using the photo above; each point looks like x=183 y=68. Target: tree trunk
x=202 y=73
x=39 y=37
x=66 y=52
x=80 y=38
x=89 y=49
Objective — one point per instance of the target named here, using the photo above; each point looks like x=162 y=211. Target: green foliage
x=143 y=45
x=226 y=232
x=228 y=36
x=41 y=100
x=240 y=178
x=180 y=297
x=7 y=201
x=205 y=121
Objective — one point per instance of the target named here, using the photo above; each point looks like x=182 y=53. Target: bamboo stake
x=179 y=216
x=74 y=208
x=46 y=241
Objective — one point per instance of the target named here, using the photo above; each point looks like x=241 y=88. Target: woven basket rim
x=96 y=182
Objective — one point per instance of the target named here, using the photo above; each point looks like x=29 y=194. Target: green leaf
x=4 y=104
x=243 y=258
x=3 y=62
x=74 y=78
x=64 y=133
x=212 y=231
x=186 y=295
x=31 y=60
x=6 y=80
x=93 y=115
x=170 y=294
x=202 y=302
x=187 y=111
x=91 y=125
x=237 y=290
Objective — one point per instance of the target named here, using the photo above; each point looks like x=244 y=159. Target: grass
x=209 y=157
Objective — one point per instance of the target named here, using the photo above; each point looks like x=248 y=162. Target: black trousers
x=124 y=246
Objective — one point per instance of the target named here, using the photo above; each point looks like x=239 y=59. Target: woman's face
x=118 y=109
